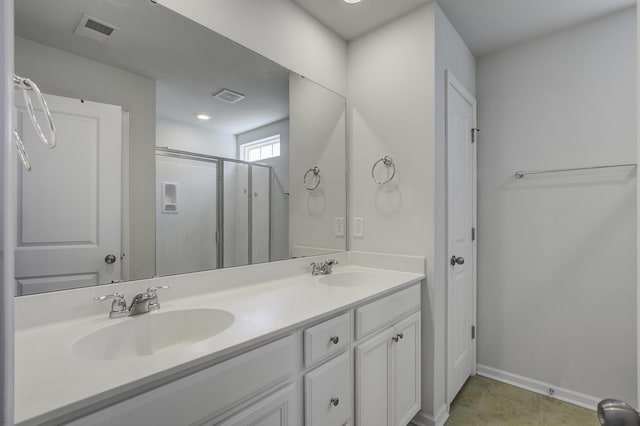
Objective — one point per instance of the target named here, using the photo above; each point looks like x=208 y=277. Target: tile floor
x=486 y=402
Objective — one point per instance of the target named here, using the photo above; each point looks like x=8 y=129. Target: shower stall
x=211 y=212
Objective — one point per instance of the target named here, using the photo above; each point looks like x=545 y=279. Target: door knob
x=110 y=258
x=456 y=260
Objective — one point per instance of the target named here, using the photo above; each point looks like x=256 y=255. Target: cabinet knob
x=334 y=339
x=397 y=337
x=335 y=401
x=401 y=335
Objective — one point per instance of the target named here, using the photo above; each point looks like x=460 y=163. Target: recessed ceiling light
x=203 y=117
x=352 y=1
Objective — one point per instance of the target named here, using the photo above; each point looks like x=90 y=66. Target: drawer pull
x=334 y=339
x=335 y=401
x=397 y=337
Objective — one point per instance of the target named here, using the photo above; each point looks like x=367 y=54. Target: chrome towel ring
x=316 y=172
x=387 y=161
x=26 y=84
x=22 y=152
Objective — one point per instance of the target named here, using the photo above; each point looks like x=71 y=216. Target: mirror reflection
x=178 y=150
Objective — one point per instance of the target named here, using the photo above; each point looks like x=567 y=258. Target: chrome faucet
x=140 y=304
x=323 y=268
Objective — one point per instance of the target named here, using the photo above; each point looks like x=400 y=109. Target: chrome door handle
x=456 y=260
x=110 y=258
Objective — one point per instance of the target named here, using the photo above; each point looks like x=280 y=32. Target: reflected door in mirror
x=69 y=205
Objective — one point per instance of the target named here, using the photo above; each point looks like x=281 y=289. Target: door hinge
x=473 y=332
x=474 y=134
x=473 y=234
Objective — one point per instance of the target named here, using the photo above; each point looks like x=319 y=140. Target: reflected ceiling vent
x=95 y=29
x=228 y=96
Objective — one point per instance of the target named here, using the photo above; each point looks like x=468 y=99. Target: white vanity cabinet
x=278 y=409
x=308 y=377
x=387 y=364
x=208 y=394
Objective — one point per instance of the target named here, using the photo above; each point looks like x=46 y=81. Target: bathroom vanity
x=285 y=348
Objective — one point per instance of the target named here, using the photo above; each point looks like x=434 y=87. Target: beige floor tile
x=486 y=402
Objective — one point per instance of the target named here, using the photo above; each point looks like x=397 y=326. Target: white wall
x=7 y=215
x=64 y=74
x=317 y=126
x=277 y=29
x=177 y=135
x=280 y=182
x=557 y=257
x=638 y=205
x=391 y=77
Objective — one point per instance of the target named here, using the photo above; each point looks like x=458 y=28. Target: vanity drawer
x=327 y=393
x=208 y=393
x=383 y=312
x=326 y=339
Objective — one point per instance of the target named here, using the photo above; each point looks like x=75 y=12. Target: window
x=261 y=149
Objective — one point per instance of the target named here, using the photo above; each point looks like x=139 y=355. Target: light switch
x=358 y=227
x=339 y=227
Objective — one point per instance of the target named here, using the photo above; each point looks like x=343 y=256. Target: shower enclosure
x=211 y=212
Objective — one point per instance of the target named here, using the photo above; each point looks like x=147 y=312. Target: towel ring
x=26 y=84
x=387 y=161
x=316 y=172
x=22 y=151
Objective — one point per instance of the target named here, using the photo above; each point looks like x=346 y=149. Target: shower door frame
x=220 y=163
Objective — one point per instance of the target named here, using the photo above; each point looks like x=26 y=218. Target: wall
x=557 y=263
x=391 y=77
x=277 y=29
x=77 y=77
x=318 y=135
x=193 y=138
x=7 y=216
x=280 y=184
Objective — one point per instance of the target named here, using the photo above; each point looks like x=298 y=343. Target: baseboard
x=586 y=401
x=440 y=418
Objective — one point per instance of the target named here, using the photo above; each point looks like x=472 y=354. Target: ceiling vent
x=95 y=29
x=228 y=96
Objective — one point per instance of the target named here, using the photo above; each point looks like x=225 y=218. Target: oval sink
x=151 y=333
x=347 y=279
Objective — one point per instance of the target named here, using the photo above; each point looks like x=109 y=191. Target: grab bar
x=521 y=173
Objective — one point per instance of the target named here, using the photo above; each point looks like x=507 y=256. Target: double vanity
x=264 y=344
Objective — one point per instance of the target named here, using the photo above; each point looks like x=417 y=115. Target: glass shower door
x=186 y=215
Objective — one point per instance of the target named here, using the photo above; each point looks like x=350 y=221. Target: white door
x=69 y=205
x=406 y=370
x=460 y=221
x=373 y=380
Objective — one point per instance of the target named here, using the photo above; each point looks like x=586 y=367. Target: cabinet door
x=327 y=393
x=278 y=409
x=373 y=380
x=405 y=357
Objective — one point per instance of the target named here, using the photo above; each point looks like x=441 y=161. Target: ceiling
x=485 y=25
x=490 y=25
x=350 y=21
x=188 y=61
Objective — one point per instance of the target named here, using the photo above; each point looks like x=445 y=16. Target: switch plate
x=358 y=227
x=339 y=227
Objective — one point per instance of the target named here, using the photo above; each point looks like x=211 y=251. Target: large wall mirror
x=178 y=150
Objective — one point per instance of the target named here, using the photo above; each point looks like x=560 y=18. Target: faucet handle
x=331 y=262
x=154 y=305
x=118 y=306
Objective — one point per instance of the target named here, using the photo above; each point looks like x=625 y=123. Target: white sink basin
x=347 y=278
x=151 y=333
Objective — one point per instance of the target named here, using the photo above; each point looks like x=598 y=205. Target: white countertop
x=51 y=381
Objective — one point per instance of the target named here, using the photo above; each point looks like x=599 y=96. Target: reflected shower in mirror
x=178 y=149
